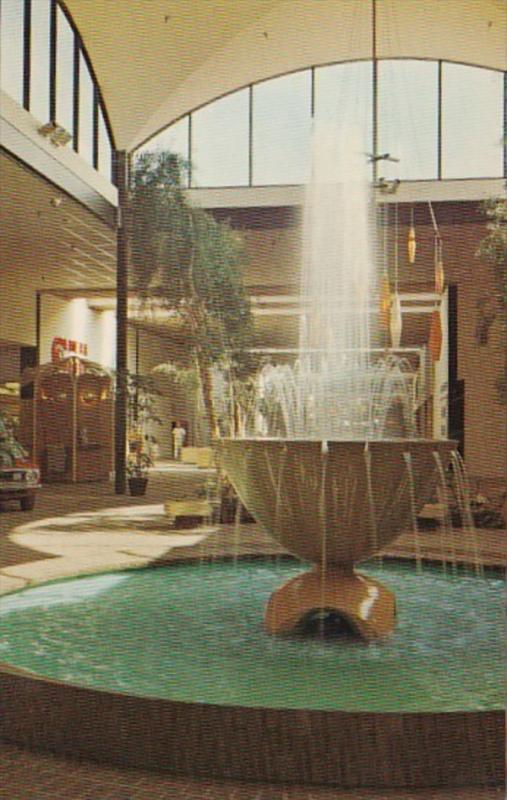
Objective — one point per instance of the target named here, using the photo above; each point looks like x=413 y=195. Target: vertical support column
x=52 y=61
x=456 y=386
x=27 y=32
x=374 y=90
x=120 y=417
x=38 y=325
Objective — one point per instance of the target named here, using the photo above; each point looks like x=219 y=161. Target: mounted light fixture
x=56 y=134
x=387 y=187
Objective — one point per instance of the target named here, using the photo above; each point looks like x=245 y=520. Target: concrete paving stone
x=10 y=583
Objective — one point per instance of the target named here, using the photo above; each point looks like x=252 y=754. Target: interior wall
x=17 y=303
x=74 y=321
x=9 y=363
x=481 y=352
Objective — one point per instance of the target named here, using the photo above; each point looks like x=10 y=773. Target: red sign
x=63 y=347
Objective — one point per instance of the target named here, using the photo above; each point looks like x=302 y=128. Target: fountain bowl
x=334 y=502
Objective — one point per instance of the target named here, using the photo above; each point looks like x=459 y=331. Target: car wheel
x=27 y=503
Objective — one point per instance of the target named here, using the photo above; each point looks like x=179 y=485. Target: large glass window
x=39 y=66
x=408 y=118
x=64 y=72
x=86 y=101
x=281 y=129
x=343 y=97
x=220 y=142
x=11 y=48
x=173 y=139
x=105 y=155
x=472 y=122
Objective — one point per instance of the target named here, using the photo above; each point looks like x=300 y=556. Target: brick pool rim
x=271 y=745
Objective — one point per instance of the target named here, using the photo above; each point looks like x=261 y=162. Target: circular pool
x=193 y=633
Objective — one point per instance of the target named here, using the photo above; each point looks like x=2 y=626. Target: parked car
x=19 y=478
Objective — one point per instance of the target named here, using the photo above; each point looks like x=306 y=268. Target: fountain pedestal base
x=364 y=604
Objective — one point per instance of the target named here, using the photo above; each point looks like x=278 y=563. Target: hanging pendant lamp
x=395 y=322
x=439 y=277
x=384 y=304
x=439 y=268
x=435 y=337
x=411 y=244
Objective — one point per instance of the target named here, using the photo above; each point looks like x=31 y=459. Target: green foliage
x=187 y=260
x=141 y=398
x=493 y=248
x=138 y=465
x=10 y=448
x=141 y=394
x=185 y=377
x=191 y=264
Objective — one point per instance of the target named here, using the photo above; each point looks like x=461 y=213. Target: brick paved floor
x=33 y=776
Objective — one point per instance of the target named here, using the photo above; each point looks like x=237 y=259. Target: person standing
x=179 y=434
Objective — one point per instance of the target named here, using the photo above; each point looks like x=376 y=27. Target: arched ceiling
x=158 y=59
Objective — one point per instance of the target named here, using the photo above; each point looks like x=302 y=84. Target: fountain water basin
x=334 y=504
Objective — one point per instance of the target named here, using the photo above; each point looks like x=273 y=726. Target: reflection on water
x=194 y=633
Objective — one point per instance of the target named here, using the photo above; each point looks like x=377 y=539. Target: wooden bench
x=187 y=513
x=202 y=457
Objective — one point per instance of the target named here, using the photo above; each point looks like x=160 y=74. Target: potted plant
x=137 y=473
x=142 y=393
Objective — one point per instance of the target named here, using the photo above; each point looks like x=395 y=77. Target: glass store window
x=343 y=97
x=39 y=55
x=220 y=142
x=408 y=118
x=281 y=119
x=11 y=48
x=472 y=122
x=64 y=72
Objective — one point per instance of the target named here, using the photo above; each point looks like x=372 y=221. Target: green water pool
x=193 y=632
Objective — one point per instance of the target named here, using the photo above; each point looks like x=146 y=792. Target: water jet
x=335 y=469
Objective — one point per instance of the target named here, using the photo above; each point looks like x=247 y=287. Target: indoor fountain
x=333 y=467
x=175 y=661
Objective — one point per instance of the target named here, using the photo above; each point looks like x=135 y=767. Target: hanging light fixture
x=411 y=244
x=395 y=322
x=439 y=267
x=384 y=303
x=435 y=337
x=395 y=318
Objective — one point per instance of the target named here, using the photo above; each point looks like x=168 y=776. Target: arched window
x=472 y=122
x=441 y=120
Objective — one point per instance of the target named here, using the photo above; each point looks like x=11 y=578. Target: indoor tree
x=493 y=248
x=186 y=261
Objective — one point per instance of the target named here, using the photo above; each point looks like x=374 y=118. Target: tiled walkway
x=31 y=776
x=40 y=545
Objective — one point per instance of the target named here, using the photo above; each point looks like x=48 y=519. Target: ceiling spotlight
x=56 y=134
